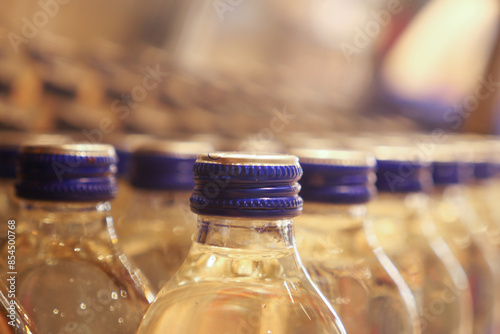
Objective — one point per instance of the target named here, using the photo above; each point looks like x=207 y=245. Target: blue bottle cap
x=485 y=158
x=452 y=164
x=165 y=165
x=67 y=173
x=484 y=170
x=262 y=186
x=401 y=169
x=451 y=172
x=337 y=176
x=125 y=144
x=10 y=142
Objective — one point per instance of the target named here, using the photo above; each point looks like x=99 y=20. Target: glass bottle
x=451 y=212
x=340 y=249
x=477 y=202
x=243 y=273
x=125 y=145
x=13 y=318
x=156 y=230
x=9 y=147
x=70 y=274
x=491 y=189
x=408 y=235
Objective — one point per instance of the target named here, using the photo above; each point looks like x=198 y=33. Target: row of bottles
x=379 y=240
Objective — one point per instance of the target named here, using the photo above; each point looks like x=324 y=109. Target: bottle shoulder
x=284 y=306
x=97 y=258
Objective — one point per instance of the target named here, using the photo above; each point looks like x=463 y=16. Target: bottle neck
x=450 y=193
x=155 y=199
x=169 y=206
x=249 y=235
x=330 y=216
x=332 y=232
x=65 y=220
x=399 y=205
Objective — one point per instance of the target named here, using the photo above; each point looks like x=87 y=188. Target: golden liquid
x=402 y=233
x=157 y=237
x=158 y=262
x=347 y=271
x=447 y=216
x=365 y=304
x=484 y=225
x=71 y=278
x=227 y=291
x=71 y=296
x=13 y=319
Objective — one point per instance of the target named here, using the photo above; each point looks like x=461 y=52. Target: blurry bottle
x=9 y=146
x=452 y=212
x=485 y=190
x=341 y=251
x=408 y=235
x=125 y=145
x=13 y=318
x=71 y=276
x=481 y=189
x=156 y=230
x=243 y=273
x=478 y=204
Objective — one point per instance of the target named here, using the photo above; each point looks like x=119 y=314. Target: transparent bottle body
x=71 y=276
x=241 y=276
x=13 y=318
x=123 y=200
x=9 y=207
x=451 y=213
x=483 y=196
x=156 y=233
x=478 y=202
x=408 y=235
x=341 y=253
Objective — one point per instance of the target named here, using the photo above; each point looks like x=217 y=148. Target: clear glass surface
x=71 y=276
x=13 y=318
x=482 y=217
x=408 y=234
x=155 y=233
x=341 y=253
x=452 y=213
x=241 y=276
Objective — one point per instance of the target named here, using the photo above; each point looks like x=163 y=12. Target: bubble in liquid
x=114 y=295
x=55 y=311
x=83 y=306
x=120 y=320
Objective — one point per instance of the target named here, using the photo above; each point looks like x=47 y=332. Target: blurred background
x=240 y=69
